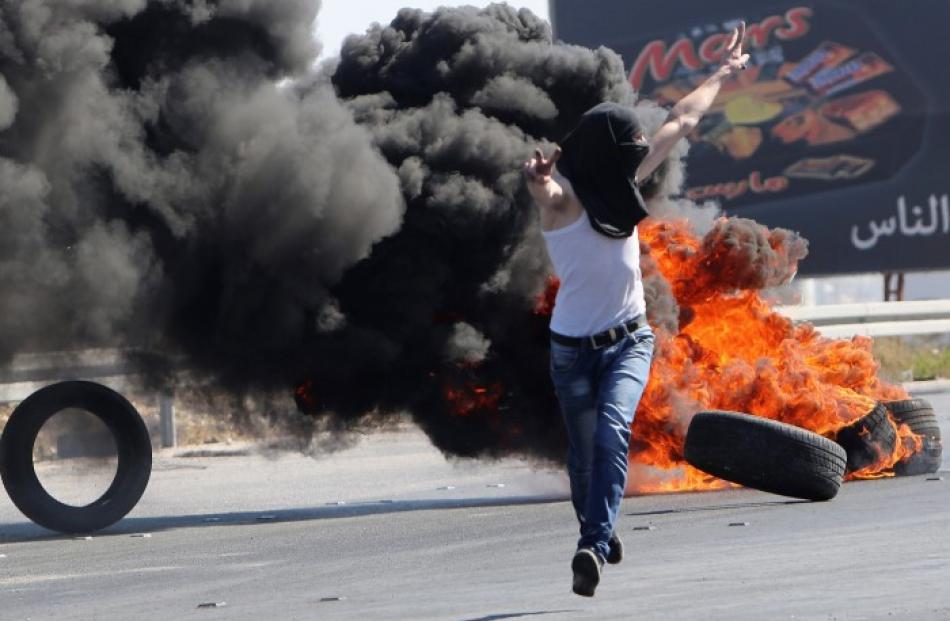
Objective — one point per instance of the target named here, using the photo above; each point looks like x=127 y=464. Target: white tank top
x=601 y=286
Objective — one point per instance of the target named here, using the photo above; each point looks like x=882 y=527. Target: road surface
x=390 y=529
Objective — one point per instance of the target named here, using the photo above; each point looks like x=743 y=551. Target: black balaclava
x=600 y=158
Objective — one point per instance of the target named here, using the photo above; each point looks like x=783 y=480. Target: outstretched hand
x=539 y=169
x=735 y=60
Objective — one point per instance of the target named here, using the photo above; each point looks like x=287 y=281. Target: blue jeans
x=599 y=390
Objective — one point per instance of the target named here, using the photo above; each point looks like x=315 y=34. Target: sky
x=339 y=18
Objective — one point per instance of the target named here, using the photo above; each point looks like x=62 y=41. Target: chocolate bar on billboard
x=865 y=67
x=825 y=56
x=843 y=167
x=811 y=127
x=863 y=111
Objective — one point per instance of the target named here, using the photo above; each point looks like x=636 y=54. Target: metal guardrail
x=29 y=372
x=874 y=318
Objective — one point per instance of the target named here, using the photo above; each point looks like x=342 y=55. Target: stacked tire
x=868 y=440
x=919 y=415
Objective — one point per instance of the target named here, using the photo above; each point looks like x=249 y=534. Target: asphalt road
x=373 y=533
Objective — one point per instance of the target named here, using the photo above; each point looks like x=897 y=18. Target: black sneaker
x=586 y=566
x=615 y=555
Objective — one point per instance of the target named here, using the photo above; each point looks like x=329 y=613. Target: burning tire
x=766 y=455
x=868 y=439
x=918 y=414
x=133 y=446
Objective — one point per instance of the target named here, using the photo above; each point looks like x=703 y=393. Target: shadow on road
x=735 y=505
x=26 y=531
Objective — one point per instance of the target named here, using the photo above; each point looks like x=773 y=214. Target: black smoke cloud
x=178 y=179
x=161 y=191
x=455 y=101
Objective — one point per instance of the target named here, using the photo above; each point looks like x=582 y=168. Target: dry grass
x=203 y=417
x=206 y=416
x=199 y=420
x=912 y=358
x=5 y=410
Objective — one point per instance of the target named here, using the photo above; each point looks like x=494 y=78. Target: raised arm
x=686 y=114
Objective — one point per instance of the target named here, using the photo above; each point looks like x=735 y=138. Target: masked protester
x=601 y=344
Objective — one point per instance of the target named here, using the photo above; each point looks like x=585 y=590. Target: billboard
x=839 y=129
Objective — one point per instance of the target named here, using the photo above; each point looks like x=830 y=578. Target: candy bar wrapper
x=830 y=168
x=863 y=68
x=863 y=111
x=825 y=56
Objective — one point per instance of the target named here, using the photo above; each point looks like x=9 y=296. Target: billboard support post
x=893 y=286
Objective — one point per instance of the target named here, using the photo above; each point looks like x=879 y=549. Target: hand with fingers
x=735 y=61
x=538 y=169
x=538 y=173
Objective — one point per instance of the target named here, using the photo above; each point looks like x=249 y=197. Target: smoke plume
x=178 y=179
x=161 y=191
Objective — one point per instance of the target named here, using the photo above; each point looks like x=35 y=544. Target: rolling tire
x=868 y=439
x=133 y=446
x=918 y=414
x=765 y=454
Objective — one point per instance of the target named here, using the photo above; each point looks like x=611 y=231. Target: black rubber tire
x=906 y=407
x=868 y=439
x=918 y=414
x=926 y=461
x=133 y=446
x=765 y=454
x=923 y=425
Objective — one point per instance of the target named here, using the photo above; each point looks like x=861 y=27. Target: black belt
x=601 y=339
